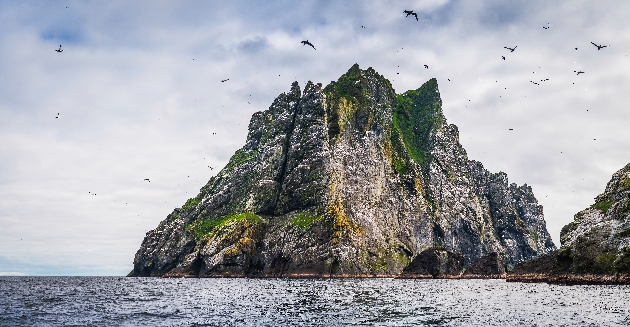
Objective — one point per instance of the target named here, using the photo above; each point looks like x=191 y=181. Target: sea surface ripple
x=121 y=301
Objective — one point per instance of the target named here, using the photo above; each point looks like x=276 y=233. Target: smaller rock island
x=595 y=246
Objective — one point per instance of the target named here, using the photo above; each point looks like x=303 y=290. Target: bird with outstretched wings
x=599 y=47
x=308 y=43
x=410 y=12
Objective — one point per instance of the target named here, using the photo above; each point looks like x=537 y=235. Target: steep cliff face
x=598 y=240
x=595 y=246
x=347 y=180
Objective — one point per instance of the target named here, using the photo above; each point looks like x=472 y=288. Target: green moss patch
x=239 y=157
x=603 y=205
x=304 y=220
x=191 y=204
x=205 y=227
x=416 y=115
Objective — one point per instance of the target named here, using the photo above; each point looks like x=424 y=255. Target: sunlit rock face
x=347 y=180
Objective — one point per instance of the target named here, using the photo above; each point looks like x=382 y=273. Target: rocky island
x=595 y=246
x=350 y=180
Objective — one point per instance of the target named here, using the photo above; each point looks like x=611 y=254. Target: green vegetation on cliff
x=417 y=114
x=304 y=220
x=203 y=227
x=350 y=98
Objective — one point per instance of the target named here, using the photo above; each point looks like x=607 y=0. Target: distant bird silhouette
x=57 y=115
x=575 y=71
x=547 y=27
x=575 y=48
x=426 y=66
x=511 y=129
x=599 y=47
x=503 y=57
x=146 y=179
x=511 y=49
x=308 y=43
x=60 y=49
x=224 y=80
x=410 y=12
x=362 y=26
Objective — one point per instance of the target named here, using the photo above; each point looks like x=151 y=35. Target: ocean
x=121 y=301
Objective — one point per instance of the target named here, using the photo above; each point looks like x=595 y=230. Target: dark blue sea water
x=119 y=301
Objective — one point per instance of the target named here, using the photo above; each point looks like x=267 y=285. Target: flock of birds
x=407 y=13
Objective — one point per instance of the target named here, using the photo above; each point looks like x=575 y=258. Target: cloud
x=253 y=45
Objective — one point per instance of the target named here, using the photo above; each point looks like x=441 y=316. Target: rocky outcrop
x=434 y=263
x=489 y=266
x=350 y=179
x=595 y=246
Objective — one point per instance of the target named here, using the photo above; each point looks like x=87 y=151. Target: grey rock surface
x=595 y=246
x=347 y=180
x=490 y=265
x=434 y=263
x=598 y=240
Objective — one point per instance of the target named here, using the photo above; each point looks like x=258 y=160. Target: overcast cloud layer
x=139 y=95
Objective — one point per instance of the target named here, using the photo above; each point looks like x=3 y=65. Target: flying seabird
x=308 y=43
x=146 y=179
x=224 y=80
x=511 y=49
x=503 y=57
x=60 y=49
x=426 y=66
x=599 y=47
x=575 y=71
x=410 y=12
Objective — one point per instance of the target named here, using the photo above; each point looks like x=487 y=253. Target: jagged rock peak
x=350 y=179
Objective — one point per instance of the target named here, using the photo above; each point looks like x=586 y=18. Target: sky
x=137 y=94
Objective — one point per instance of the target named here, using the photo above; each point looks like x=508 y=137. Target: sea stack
x=347 y=180
x=595 y=246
